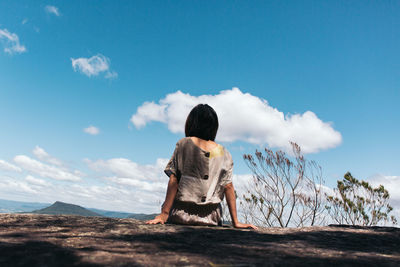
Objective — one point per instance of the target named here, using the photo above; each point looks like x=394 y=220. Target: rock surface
x=63 y=240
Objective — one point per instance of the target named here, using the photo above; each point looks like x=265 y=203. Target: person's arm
x=169 y=200
x=231 y=201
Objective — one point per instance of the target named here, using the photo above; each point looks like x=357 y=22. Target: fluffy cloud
x=35 y=181
x=11 y=187
x=149 y=181
x=241 y=182
x=150 y=111
x=44 y=170
x=41 y=154
x=4 y=165
x=11 y=42
x=52 y=10
x=125 y=168
x=244 y=117
x=104 y=196
x=123 y=186
x=159 y=187
x=94 y=66
x=113 y=184
x=92 y=130
x=111 y=75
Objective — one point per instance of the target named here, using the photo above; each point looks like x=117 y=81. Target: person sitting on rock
x=200 y=175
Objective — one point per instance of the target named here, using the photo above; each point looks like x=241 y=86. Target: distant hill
x=142 y=216
x=125 y=215
x=112 y=214
x=10 y=206
x=59 y=208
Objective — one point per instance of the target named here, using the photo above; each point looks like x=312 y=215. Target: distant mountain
x=143 y=217
x=10 y=206
x=59 y=208
x=123 y=215
x=113 y=214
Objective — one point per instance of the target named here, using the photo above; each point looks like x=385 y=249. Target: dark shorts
x=193 y=214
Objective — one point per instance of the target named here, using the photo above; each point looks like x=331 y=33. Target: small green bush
x=358 y=203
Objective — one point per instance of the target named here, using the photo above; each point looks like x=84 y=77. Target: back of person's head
x=202 y=122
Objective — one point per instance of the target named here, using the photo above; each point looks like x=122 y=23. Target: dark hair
x=202 y=122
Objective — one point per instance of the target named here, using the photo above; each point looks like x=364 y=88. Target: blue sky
x=336 y=59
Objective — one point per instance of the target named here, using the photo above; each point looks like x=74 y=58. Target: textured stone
x=65 y=240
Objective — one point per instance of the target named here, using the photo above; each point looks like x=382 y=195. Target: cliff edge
x=65 y=240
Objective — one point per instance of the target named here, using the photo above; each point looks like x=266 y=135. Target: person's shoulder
x=223 y=147
x=227 y=154
x=183 y=141
x=228 y=161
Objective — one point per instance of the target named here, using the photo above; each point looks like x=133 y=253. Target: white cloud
x=147 y=183
x=125 y=168
x=243 y=117
x=4 y=165
x=159 y=187
x=52 y=10
x=149 y=111
x=24 y=21
x=115 y=184
x=111 y=75
x=41 y=154
x=109 y=195
x=241 y=182
x=11 y=42
x=35 y=181
x=44 y=170
x=94 y=66
x=92 y=130
x=11 y=187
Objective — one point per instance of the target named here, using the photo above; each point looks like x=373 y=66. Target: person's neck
x=206 y=145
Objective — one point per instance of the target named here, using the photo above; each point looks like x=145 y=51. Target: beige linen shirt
x=202 y=175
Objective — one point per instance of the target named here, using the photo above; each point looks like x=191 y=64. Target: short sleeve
x=172 y=166
x=228 y=168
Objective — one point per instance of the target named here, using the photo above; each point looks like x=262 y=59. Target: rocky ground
x=57 y=240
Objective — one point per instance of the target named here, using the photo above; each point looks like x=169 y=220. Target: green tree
x=358 y=203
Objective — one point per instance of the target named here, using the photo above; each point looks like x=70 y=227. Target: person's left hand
x=244 y=226
x=162 y=218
